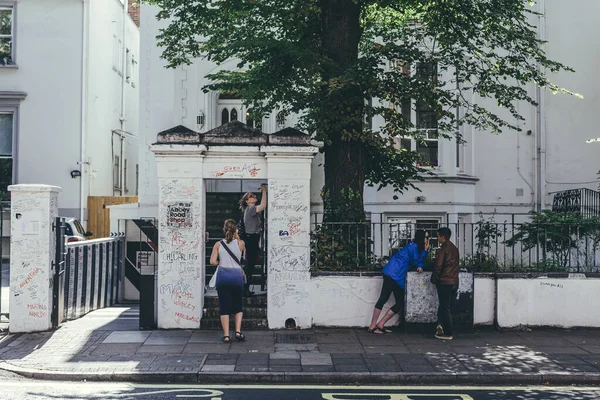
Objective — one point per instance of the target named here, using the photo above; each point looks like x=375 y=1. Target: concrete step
x=247 y=323
x=249 y=312
x=254 y=301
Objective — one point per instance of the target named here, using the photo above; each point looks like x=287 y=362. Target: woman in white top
x=230 y=279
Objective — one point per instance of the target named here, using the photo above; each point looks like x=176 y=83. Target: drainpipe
x=123 y=83
x=541 y=120
x=85 y=15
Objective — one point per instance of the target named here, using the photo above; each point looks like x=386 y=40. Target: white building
x=69 y=97
x=513 y=172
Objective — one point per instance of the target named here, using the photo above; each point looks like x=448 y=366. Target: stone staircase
x=255 y=313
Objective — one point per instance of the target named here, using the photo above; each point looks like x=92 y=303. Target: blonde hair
x=230 y=230
x=244 y=199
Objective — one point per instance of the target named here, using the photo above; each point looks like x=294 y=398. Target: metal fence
x=485 y=245
x=89 y=276
x=583 y=201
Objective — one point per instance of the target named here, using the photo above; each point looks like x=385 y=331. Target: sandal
x=384 y=329
x=226 y=339
x=239 y=336
x=376 y=331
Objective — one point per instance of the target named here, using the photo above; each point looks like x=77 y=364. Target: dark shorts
x=230 y=288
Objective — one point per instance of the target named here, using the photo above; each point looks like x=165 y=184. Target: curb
x=405 y=378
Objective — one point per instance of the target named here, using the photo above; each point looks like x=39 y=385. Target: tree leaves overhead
x=299 y=56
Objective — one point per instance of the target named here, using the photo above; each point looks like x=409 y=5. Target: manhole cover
x=294 y=338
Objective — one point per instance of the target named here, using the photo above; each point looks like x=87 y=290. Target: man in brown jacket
x=445 y=277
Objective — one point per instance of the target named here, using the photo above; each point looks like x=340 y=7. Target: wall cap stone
x=32 y=187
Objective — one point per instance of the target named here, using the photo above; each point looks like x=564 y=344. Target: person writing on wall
x=394 y=279
x=252 y=227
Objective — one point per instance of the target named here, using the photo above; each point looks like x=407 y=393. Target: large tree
x=342 y=63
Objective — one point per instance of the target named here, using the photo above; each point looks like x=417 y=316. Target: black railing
x=93 y=276
x=485 y=246
x=582 y=201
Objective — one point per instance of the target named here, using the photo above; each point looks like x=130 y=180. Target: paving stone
x=205 y=337
x=410 y=359
x=351 y=367
x=251 y=368
x=386 y=349
x=248 y=349
x=127 y=337
x=283 y=355
x=274 y=362
x=341 y=348
x=248 y=359
x=151 y=349
x=204 y=348
x=417 y=368
x=117 y=349
x=384 y=368
x=218 y=368
x=296 y=347
x=316 y=359
x=178 y=361
x=165 y=340
x=337 y=338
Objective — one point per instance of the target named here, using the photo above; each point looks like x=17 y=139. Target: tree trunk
x=342 y=113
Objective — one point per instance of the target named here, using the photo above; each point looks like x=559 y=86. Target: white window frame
x=410 y=221
x=12 y=5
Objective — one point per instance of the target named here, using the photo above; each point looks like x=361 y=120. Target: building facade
x=69 y=97
x=509 y=173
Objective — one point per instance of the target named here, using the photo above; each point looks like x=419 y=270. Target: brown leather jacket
x=445 y=270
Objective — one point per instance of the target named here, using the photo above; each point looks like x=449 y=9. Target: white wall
x=157 y=106
x=346 y=300
x=485 y=301
x=104 y=88
x=561 y=303
x=48 y=44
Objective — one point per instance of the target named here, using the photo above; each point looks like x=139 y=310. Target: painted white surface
x=346 y=300
x=32 y=252
x=49 y=36
x=288 y=216
x=549 y=302
x=421 y=295
x=181 y=265
x=485 y=301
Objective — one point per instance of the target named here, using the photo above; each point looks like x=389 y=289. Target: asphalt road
x=14 y=388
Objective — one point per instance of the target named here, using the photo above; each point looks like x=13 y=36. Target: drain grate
x=295 y=338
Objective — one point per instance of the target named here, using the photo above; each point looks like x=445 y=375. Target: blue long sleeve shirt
x=406 y=257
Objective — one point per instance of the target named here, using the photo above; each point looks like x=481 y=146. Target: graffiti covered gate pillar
x=288 y=267
x=181 y=269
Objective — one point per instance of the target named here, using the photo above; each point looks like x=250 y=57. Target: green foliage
x=558 y=236
x=343 y=247
x=337 y=64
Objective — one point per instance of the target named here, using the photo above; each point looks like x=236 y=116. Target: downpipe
x=85 y=15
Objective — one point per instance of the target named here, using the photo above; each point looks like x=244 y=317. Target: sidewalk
x=102 y=347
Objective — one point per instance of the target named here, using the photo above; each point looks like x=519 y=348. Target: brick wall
x=134 y=11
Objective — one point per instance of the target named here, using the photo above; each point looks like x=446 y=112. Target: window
x=224 y=116
x=6 y=35
x=6 y=153
x=280 y=120
x=422 y=116
x=251 y=122
x=401 y=231
x=233 y=115
x=133 y=70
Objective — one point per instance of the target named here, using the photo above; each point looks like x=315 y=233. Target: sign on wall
x=179 y=215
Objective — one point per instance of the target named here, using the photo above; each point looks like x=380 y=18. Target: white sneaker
x=444 y=337
x=439 y=331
